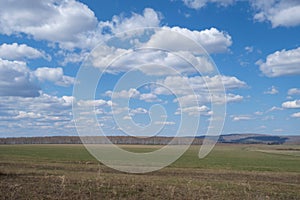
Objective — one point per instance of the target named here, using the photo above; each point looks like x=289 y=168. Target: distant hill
x=253 y=139
x=230 y=138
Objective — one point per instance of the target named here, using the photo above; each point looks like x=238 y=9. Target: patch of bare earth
x=25 y=180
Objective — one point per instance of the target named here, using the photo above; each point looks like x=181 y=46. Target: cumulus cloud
x=184 y=87
x=279 y=13
x=179 y=43
x=212 y=40
x=291 y=104
x=65 y=22
x=150 y=62
x=249 y=49
x=197 y=4
x=241 y=117
x=30 y=115
x=206 y=98
x=274 y=108
x=258 y=113
x=69 y=23
x=199 y=84
x=16 y=80
x=72 y=57
x=294 y=91
x=138 y=111
x=54 y=75
x=194 y=110
x=164 y=123
x=119 y=24
x=131 y=93
x=272 y=90
x=149 y=97
x=296 y=115
x=281 y=63
x=26 y=115
x=94 y=103
x=16 y=51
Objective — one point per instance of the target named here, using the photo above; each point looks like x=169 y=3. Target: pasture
x=230 y=171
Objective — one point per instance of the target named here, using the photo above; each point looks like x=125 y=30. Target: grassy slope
x=232 y=157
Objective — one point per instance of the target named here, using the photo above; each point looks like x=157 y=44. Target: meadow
x=230 y=171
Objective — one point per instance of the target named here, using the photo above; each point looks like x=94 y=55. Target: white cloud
x=182 y=53
x=279 y=12
x=184 y=87
x=55 y=75
x=197 y=4
x=69 y=23
x=291 y=104
x=150 y=62
x=199 y=84
x=274 y=108
x=262 y=127
x=258 y=113
x=281 y=63
x=188 y=100
x=229 y=82
x=164 y=123
x=232 y=98
x=131 y=93
x=16 y=51
x=95 y=103
x=212 y=40
x=249 y=49
x=294 y=91
x=269 y=117
x=32 y=114
x=296 y=115
x=63 y=21
x=272 y=90
x=149 y=97
x=241 y=117
x=127 y=117
x=195 y=111
x=23 y=114
x=73 y=57
x=119 y=24
x=16 y=80
x=138 y=111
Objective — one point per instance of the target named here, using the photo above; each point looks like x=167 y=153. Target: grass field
x=229 y=172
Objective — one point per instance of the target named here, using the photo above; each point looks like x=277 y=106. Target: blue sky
x=254 y=44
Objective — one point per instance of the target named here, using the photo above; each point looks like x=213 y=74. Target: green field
x=228 y=172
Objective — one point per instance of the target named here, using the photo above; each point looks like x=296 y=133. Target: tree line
x=99 y=140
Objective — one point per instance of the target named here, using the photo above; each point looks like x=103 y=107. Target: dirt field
x=229 y=172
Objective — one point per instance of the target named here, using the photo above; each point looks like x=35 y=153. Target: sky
x=247 y=62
